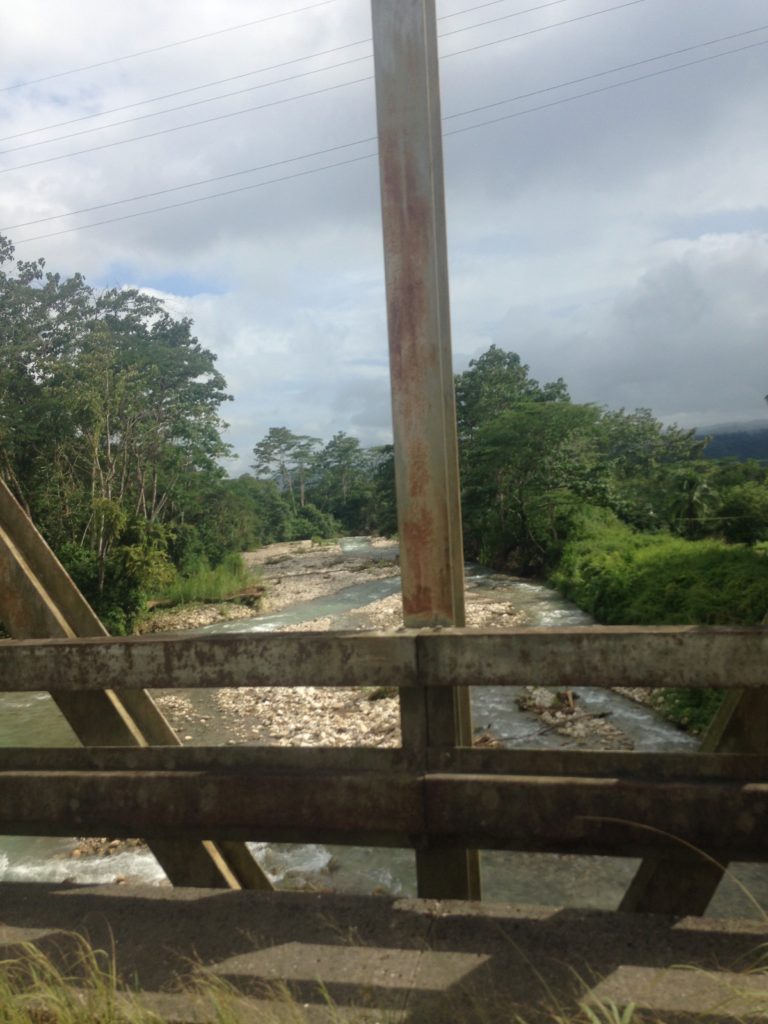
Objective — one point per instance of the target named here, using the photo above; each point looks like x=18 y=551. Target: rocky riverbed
x=294 y=573
x=297 y=572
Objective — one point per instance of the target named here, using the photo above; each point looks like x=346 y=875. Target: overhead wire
x=601 y=89
x=194 y=103
x=448 y=117
x=197 y=184
x=200 y=199
x=181 y=127
x=492 y=21
x=494 y=3
x=304 y=74
x=617 y=69
x=166 y=46
x=195 y=88
x=282 y=101
x=257 y=71
x=368 y=156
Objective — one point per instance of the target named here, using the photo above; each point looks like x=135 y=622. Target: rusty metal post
x=423 y=403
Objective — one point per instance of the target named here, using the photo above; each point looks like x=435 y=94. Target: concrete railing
x=424 y=794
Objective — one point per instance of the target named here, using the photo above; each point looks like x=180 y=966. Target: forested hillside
x=739 y=444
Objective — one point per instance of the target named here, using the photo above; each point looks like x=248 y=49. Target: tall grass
x=37 y=989
x=206 y=584
x=34 y=989
x=622 y=577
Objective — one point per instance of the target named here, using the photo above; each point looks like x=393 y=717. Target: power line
x=279 y=81
x=192 y=124
x=604 y=88
x=493 y=3
x=543 y=28
x=165 y=46
x=493 y=21
x=612 y=71
x=194 y=184
x=194 y=103
x=447 y=117
x=248 y=74
x=217 y=195
x=194 y=88
x=289 y=99
x=369 y=156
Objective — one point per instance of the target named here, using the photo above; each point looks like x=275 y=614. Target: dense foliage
x=111 y=438
x=108 y=416
x=625 y=515
x=622 y=576
x=532 y=459
x=339 y=487
x=110 y=435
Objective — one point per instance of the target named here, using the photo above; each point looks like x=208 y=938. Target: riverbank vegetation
x=111 y=436
x=626 y=517
x=111 y=439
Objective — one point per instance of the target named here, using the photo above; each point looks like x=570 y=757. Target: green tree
x=743 y=514
x=496 y=382
x=342 y=482
x=286 y=457
x=526 y=473
x=650 y=468
x=108 y=408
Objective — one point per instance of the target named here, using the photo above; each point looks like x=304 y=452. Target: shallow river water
x=556 y=880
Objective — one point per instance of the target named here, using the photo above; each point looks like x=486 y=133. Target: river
x=546 y=879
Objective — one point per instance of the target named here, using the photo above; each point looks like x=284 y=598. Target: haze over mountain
x=747 y=440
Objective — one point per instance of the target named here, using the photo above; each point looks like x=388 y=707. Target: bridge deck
x=402 y=960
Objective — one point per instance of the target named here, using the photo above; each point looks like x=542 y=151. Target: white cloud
x=690 y=334
x=581 y=235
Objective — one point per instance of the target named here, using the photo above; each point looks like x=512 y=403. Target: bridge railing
x=423 y=794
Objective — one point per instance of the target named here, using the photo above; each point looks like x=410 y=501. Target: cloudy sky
x=617 y=239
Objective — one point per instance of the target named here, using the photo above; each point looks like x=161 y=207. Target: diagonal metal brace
x=37 y=600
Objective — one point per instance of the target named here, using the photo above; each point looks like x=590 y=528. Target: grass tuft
x=35 y=990
x=208 y=585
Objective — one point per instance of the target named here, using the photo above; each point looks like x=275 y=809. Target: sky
x=618 y=239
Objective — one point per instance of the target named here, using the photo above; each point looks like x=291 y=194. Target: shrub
x=206 y=584
x=622 y=577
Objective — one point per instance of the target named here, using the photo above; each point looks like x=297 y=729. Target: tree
x=342 y=483
x=744 y=513
x=285 y=456
x=527 y=471
x=494 y=383
x=650 y=467
x=108 y=409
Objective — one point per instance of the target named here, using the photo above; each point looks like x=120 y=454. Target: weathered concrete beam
x=652 y=656
x=732 y=658
x=289 y=659
x=261 y=763
x=607 y=816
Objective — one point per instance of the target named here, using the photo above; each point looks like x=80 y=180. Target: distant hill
x=747 y=440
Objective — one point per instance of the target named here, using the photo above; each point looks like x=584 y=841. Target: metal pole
x=423 y=402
